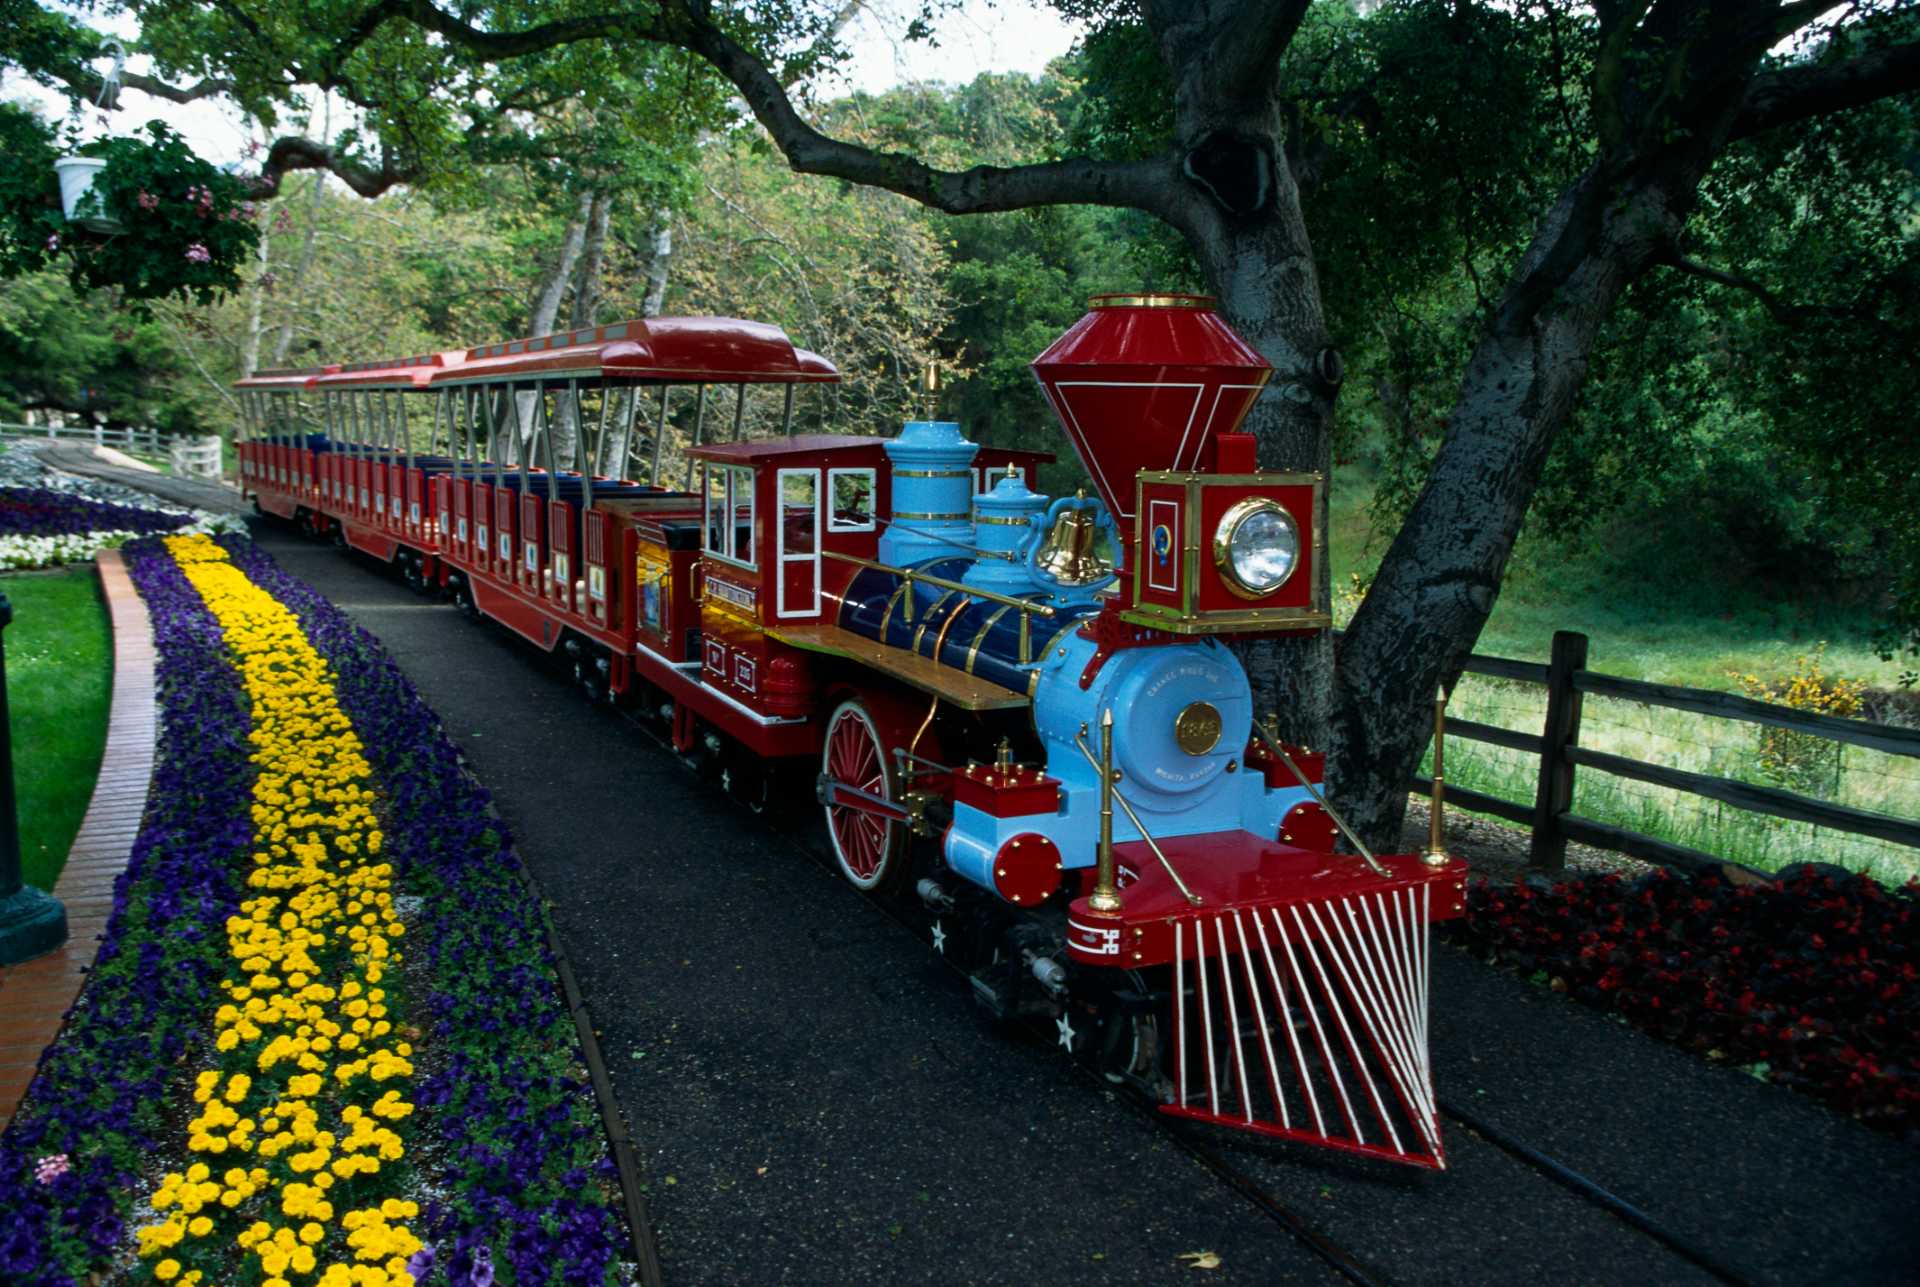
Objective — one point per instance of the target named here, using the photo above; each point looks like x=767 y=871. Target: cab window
x=729 y=513
x=852 y=491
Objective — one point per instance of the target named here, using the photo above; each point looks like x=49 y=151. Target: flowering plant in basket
x=188 y=226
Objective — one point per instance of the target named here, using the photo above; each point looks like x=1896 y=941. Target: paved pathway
x=35 y=995
x=815 y=1100
x=215 y=498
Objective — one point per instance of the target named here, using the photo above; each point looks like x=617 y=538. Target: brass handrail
x=1028 y=608
x=1271 y=741
x=1107 y=788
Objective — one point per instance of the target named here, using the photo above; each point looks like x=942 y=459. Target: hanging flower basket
x=78 y=198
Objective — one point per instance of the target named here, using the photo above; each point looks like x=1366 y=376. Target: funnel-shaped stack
x=1148 y=382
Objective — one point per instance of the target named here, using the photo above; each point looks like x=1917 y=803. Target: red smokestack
x=1148 y=382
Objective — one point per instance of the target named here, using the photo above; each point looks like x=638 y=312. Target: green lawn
x=59 y=679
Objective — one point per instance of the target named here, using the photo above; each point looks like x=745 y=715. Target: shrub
x=1803 y=761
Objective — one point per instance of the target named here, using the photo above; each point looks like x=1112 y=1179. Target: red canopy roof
x=407 y=373
x=285 y=379
x=713 y=350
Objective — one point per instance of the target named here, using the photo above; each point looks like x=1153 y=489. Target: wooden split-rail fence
x=1550 y=815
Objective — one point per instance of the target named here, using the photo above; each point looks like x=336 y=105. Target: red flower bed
x=1811 y=980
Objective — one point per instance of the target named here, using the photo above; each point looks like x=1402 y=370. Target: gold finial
x=1013 y=470
x=931 y=383
x=1436 y=854
x=1105 y=897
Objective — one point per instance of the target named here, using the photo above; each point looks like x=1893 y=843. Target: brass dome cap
x=1152 y=301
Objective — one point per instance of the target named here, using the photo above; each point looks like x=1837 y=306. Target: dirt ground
x=1498 y=851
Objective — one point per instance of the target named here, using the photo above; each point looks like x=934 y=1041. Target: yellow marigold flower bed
x=309 y=1103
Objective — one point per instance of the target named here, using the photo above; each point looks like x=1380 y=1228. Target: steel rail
x=1568 y=1178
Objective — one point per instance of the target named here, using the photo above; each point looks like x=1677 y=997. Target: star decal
x=1067 y=1034
x=939 y=938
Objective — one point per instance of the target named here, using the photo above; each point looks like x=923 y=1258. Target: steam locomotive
x=1017 y=712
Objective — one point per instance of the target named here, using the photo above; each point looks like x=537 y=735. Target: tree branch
x=290 y=154
x=1785 y=313
x=88 y=84
x=1797 y=93
x=511 y=44
x=1153 y=185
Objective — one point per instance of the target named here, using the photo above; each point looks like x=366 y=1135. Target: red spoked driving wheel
x=871 y=850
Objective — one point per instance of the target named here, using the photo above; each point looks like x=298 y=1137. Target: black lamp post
x=31 y=922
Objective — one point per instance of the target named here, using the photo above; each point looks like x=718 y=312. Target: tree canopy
x=1573 y=249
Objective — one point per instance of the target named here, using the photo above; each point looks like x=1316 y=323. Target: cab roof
x=758 y=449
x=404 y=373
x=285 y=378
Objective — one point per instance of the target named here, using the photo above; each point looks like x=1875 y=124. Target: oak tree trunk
x=1441 y=575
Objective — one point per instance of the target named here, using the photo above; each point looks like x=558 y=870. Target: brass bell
x=1067 y=554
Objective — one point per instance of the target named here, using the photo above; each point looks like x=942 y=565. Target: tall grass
x=1656 y=610
x=59 y=679
x=1866 y=779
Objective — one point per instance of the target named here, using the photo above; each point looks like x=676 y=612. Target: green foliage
x=30 y=217
x=852 y=273
x=187 y=224
x=62 y=351
x=1756 y=419
x=50 y=47
x=1016 y=280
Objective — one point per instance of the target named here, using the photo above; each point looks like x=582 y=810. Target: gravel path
x=215 y=498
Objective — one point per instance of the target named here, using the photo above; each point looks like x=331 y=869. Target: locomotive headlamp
x=1256 y=547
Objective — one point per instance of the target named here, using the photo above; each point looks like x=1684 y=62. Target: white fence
x=196 y=457
x=147 y=441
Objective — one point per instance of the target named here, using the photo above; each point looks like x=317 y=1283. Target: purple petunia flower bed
x=516 y=1184
x=522 y=1154
x=36 y=511
x=1810 y=980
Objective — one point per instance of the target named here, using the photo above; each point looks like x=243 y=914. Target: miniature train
x=1016 y=709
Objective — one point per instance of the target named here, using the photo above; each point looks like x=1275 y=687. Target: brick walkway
x=35 y=996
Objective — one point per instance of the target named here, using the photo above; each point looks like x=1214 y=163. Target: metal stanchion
x=31 y=922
